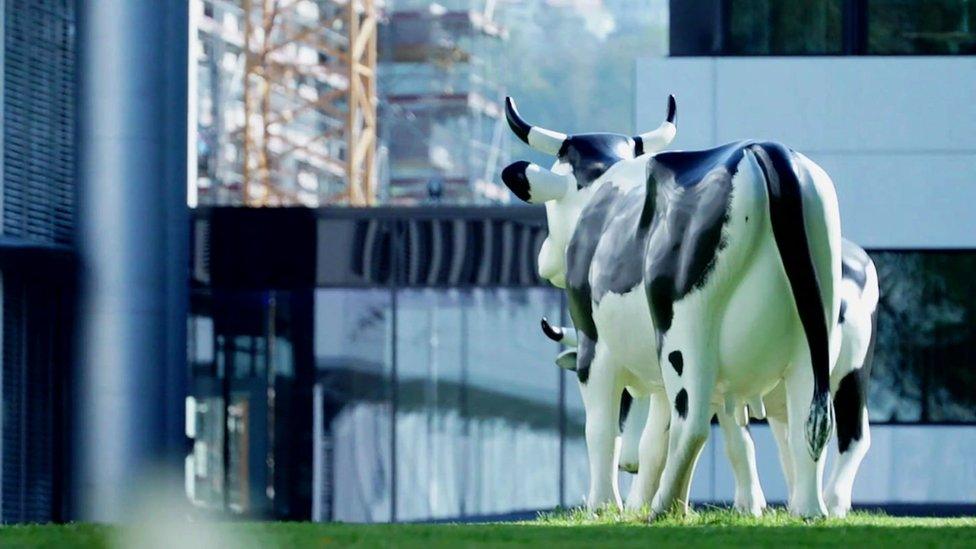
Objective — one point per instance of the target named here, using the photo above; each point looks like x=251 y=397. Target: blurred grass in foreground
x=570 y=528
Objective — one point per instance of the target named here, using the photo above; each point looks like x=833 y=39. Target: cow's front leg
x=601 y=398
x=689 y=371
x=652 y=452
x=749 y=498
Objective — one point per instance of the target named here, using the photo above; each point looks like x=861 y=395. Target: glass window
x=352 y=433
x=924 y=368
x=768 y=27
x=477 y=404
x=921 y=27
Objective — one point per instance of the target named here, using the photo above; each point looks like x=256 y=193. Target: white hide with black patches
x=732 y=306
x=860 y=298
x=748 y=297
x=626 y=356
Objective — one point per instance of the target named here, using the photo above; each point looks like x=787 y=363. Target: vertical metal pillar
x=132 y=169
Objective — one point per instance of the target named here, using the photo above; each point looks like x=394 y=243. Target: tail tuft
x=820 y=424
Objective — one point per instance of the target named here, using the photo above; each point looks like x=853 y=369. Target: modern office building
x=879 y=93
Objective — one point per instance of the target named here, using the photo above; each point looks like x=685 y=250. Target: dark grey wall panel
x=38 y=120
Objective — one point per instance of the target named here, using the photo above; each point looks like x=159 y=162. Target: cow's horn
x=558 y=334
x=534 y=184
x=537 y=137
x=660 y=138
x=554 y=333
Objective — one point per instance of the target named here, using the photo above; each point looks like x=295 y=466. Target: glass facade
x=770 y=27
x=823 y=27
x=921 y=27
x=449 y=418
x=924 y=369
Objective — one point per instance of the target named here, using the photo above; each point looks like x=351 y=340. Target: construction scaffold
x=286 y=101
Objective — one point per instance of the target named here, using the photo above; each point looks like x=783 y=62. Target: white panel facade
x=895 y=133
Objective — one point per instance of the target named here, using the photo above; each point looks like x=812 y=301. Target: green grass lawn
x=566 y=529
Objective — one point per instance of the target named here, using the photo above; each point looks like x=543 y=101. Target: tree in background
x=570 y=64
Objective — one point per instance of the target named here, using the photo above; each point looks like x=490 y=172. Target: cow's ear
x=567 y=360
x=534 y=184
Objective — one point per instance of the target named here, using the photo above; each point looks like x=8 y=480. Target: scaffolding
x=286 y=101
x=441 y=109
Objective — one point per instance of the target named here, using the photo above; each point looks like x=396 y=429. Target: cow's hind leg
x=689 y=388
x=601 y=398
x=749 y=498
x=652 y=452
x=781 y=434
x=775 y=402
x=853 y=440
x=806 y=499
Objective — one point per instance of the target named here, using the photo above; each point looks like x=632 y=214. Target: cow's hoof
x=751 y=505
x=750 y=509
x=811 y=511
x=837 y=507
x=635 y=504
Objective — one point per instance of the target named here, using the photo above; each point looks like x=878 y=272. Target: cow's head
x=581 y=160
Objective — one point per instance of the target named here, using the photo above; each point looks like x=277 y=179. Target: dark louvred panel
x=38 y=204
x=38 y=113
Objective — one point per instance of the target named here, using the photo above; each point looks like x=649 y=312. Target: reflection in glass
x=478 y=403
x=924 y=357
x=352 y=465
x=922 y=27
x=769 y=27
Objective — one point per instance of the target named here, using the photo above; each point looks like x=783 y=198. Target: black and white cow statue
x=849 y=386
x=727 y=261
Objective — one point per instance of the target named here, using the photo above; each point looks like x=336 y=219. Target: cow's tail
x=789 y=230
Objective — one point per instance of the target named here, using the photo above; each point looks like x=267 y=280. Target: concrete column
x=132 y=219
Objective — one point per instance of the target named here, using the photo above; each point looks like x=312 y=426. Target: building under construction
x=441 y=102
x=286 y=102
x=287 y=110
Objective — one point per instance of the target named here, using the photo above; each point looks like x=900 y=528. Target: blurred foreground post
x=132 y=170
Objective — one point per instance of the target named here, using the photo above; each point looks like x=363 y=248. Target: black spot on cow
x=677 y=361
x=851 y=398
x=586 y=348
x=625 y=402
x=579 y=257
x=689 y=193
x=592 y=154
x=842 y=315
x=638 y=145
x=681 y=404
x=620 y=251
